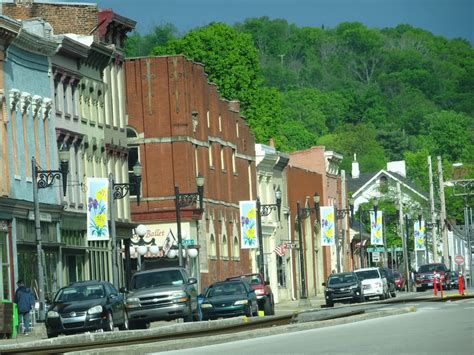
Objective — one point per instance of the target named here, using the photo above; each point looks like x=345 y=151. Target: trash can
x=8 y=319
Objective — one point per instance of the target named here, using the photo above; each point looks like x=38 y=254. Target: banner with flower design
x=248 y=225
x=327 y=225
x=376 y=234
x=97 y=205
x=419 y=235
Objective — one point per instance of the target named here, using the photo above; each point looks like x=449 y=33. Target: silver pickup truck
x=161 y=294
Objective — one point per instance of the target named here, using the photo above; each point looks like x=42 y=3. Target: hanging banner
x=419 y=235
x=327 y=225
x=97 y=208
x=376 y=237
x=248 y=225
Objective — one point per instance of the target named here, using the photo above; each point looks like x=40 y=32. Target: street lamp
x=265 y=210
x=43 y=179
x=117 y=192
x=183 y=200
x=303 y=213
x=340 y=214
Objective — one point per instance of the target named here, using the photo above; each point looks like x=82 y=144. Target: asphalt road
x=435 y=328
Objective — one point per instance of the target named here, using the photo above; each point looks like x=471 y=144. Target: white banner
x=327 y=225
x=376 y=235
x=97 y=208
x=419 y=235
x=248 y=225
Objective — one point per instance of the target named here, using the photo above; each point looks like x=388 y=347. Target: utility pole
x=404 y=240
x=444 y=230
x=434 y=237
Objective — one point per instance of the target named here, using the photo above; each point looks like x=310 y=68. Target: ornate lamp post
x=117 y=192
x=183 y=200
x=43 y=179
x=301 y=214
x=341 y=214
x=265 y=210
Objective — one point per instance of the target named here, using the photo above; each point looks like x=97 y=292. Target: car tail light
x=259 y=291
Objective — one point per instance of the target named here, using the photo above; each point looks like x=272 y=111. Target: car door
x=115 y=301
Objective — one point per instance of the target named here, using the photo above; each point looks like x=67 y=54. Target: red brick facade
x=84 y=15
x=180 y=118
x=302 y=184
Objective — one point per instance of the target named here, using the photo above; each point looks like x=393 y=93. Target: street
x=435 y=328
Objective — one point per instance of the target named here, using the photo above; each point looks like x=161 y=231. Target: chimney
x=355 y=168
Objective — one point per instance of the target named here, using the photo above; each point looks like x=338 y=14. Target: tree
x=229 y=57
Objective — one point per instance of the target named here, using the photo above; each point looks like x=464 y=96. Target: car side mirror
x=192 y=281
x=123 y=290
x=323 y=284
x=267 y=283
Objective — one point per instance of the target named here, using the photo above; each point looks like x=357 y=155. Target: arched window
x=212 y=246
x=133 y=158
x=224 y=248
x=236 y=248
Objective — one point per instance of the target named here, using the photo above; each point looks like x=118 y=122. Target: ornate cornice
x=36 y=104
x=35 y=44
x=15 y=96
x=25 y=101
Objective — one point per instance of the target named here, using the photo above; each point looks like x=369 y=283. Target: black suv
x=388 y=274
x=343 y=287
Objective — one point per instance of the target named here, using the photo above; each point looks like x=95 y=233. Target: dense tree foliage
x=390 y=94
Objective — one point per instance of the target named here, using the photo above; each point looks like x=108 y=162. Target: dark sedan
x=86 y=306
x=343 y=287
x=454 y=280
x=228 y=299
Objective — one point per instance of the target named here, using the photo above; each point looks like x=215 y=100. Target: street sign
x=375 y=256
x=375 y=249
x=459 y=259
x=187 y=242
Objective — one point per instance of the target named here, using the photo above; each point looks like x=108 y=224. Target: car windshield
x=341 y=279
x=250 y=279
x=367 y=274
x=80 y=293
x=156 y=279
x=226 y=289
x=432 y=267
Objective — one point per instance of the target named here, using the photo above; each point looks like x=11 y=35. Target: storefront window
x=281 y=272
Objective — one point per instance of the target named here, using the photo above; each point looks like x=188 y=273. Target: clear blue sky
x=449 y=18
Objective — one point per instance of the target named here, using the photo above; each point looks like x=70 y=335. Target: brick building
x=179 y=127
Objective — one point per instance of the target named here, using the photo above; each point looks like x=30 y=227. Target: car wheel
x=125 y=325
x=256 y=311
x=109 y=323
x=267 y=307
x=382 y=297
x=52 y=335
x=361 y=299
x=329 y=303
x=139 y=325
x=189 y=317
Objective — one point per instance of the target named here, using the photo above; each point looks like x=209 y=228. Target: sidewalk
x=290 y=306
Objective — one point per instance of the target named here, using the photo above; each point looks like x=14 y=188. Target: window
x=212 y=246
x=236 y=248
x=220 y=123
x=237 y=129
x=281 y=275
x=66 y=98
x=224 y=248
x=133 y=158
x=57 y=104
x=234 y=168
x=208 y=118
x=211 y=163
x=222 y=158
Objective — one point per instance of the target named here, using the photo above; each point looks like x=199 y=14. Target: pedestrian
x=25 y=301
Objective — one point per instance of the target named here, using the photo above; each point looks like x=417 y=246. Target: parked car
x=373 y=283
x=399 y=280
x=228 y=299
x=262 y=288
x=343 y=287
x=425 y=275
x=454 y=280
x=388 y=274
x=161 y=294
x=86 y=306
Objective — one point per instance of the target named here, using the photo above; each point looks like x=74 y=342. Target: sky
x=448 y=18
